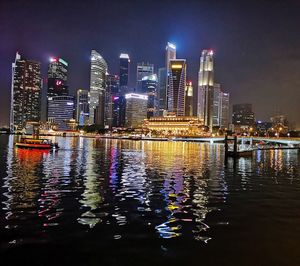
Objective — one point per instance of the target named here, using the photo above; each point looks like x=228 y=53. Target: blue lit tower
x=149 y=87
x=82 y=107
x=143 y=70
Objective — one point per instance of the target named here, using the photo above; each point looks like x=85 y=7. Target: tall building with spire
x=205 y=104
x=97 y=88
x=25 y=93
x=176 y=87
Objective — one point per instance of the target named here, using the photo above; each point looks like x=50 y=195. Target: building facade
x=162 y=91
x=119 y=111
x=216 y=105
x=136 y=109
x=206 y=94
x=25 y=93
x=175 y=126
x=242 y=115
x=82 y=107
x=188 y=99
x=97 y=87
x=112 y=90
x=224 y=110
x=149 y=87
x=57 y=77
x=170 y=55
x=124 y=73
x=61 y=111
x=176 y=87
x=143 y=70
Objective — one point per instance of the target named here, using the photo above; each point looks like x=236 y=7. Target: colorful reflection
x=125 y=189
x=22 y=182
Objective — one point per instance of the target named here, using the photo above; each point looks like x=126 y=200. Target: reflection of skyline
x=167 y=186
x=93 y=194
x=22 y=182
x=186 y=186
x=56 y=183
x=277 y=163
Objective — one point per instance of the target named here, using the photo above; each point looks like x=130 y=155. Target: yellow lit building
x=176 y=126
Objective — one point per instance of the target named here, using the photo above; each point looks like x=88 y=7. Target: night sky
x=256 y=44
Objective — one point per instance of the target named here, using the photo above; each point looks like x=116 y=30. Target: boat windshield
x=36 y=141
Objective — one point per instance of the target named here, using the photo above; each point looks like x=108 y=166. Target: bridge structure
x=268 y=140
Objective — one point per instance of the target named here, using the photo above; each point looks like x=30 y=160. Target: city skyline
x=254 y=72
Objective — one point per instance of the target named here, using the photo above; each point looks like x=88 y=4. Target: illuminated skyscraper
x=112 y=90
x=82 y=108
x=176 y=88
x=124 y=73
x=136 y=109
x=170 y=55
x=205 y=104
x=149 y=87
x=97 y=87
x=242 y=115
x=224 y=109
x=57 y=78
x=120 y=102
x=119 y=109
x=189 y=99
x=60 y=111
x=161 y=91
x=143 y=70
x=216 y=105
x=25 y=93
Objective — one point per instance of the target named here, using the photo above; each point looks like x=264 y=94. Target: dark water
x=116 y=202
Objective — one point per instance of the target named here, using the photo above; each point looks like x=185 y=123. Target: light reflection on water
x=166 y=189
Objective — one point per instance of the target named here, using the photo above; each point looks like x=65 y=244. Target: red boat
x=31 y=143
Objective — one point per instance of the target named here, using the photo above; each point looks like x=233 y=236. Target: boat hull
x=34 y=146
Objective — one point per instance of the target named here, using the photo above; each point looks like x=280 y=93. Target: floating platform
x=240 y=153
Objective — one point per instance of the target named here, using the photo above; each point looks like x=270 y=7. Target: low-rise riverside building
x=188 y=126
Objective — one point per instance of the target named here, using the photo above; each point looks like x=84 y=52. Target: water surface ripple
x=141 y=202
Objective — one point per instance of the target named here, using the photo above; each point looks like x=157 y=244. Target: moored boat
x=31 y=143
